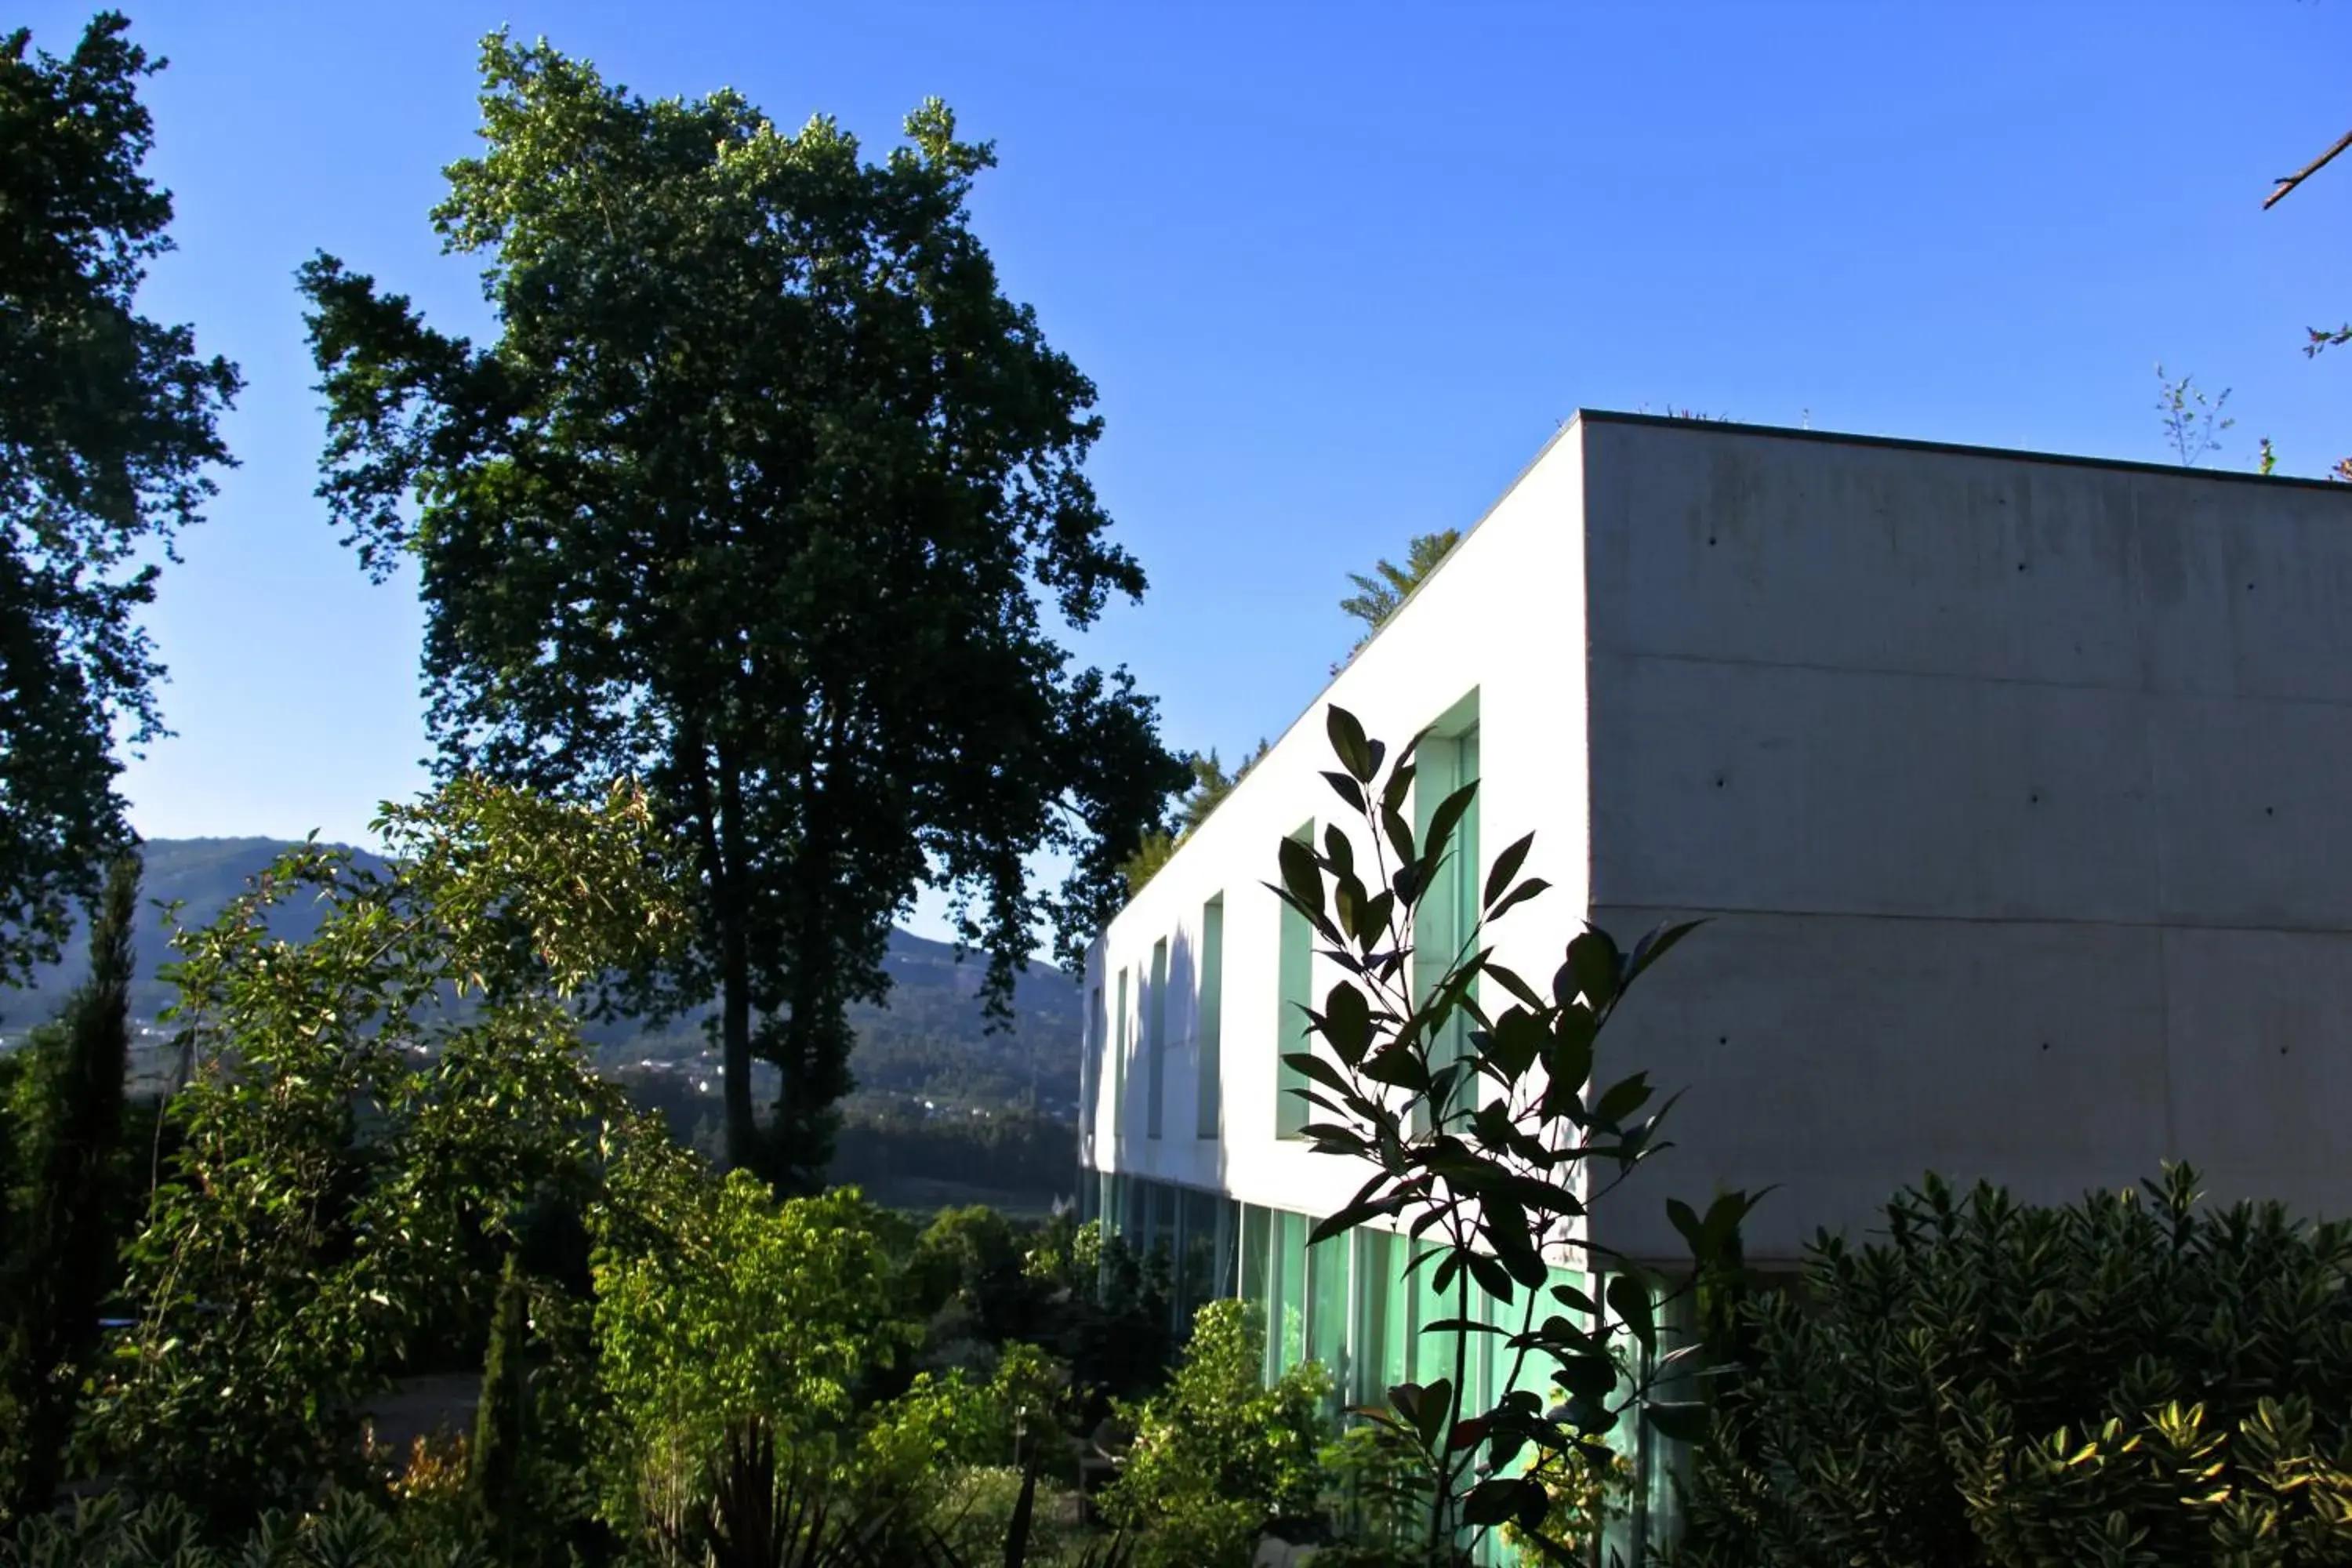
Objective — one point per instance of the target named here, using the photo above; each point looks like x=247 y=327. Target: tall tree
x=755 y=498
x=1211 y=784
x=1382 y=592
x=57 y=1277
x=107 y=429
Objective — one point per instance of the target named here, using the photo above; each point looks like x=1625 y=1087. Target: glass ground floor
x=1348 y=1304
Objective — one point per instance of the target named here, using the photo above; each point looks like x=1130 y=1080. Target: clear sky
x=1337 y=270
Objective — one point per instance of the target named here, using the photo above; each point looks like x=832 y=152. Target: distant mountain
x=931 y=1041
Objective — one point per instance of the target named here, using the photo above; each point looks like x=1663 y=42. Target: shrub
x=1485 y=1132
x=62 y=1259
x=767 y=1310
x=1217 y=1456
x=2127 y=1380
x=348 y=1136
x=346 y=1531
x=958 y=1420
x=973 y=1516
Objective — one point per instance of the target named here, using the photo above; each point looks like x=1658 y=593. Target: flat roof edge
x=1959 y=449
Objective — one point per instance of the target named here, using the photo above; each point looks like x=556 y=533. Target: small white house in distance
x=2013 y=789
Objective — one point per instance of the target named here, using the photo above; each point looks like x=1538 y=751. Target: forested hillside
x=931 y=1041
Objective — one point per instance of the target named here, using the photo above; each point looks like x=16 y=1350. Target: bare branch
x=2288 y=183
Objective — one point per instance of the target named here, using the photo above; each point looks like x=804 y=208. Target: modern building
x=2012 y=788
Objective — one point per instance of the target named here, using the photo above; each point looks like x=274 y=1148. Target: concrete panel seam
x=1595 y=650
x=1732 y=911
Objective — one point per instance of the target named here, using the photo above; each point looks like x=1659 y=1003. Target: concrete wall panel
x=1742 y=546
x=2254 y=804
x=2259 y=1048
x=1844 y=1058
x=1751 y=786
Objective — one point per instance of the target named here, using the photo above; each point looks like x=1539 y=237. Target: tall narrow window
x=1090 y=1072
x=1155 y=1039
x=1327 y=1307
x=1286 y=1326
x=1208 y=1034
x=1118 y=1066
x=1254 y=1224
x=1447 y=922
x=1296 y=959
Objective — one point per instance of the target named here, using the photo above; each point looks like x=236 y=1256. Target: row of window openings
x=1349 y=1304
x=1209 y=967
x=1444 y=924
x=1346 y=1304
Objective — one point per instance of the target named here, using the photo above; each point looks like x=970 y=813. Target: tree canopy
x=1211 y=784
x=1382 y=592
x=108 y=426
x=761 y=495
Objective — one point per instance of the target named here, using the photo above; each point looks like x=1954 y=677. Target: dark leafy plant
x=1498 y=1149
x=2127 y=1380
x=108 y=427
x=759 y=1513
x=347 y=1530
x=62 y=1263
x=494 y=1464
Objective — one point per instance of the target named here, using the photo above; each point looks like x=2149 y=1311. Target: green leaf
x=1518 y=896
x=1307 y=1064
x=1511 y=980
x=1628 y=1298
x=1655 y=945
x=1686 y=1221
x=1400 y=837
x=1398 y=1067
x=1492 y=1277
x=1468 y=1433
x=1339 y=850
x=1679 y=1421
x=1349 y=1217
x=1515 y=1042
x=1348 y=743
x=1593 y=966
x=1505 y=866
x=1568 y=1062
x=1499 y=1499
x=1399 y=787
x=1587 y=1376
x=1623 y=1097
x=1436 y=1405
x=1441 y=824
x=1348 y=1023
x=1569 y=1295
x=1346 y=789
x=1302 y=876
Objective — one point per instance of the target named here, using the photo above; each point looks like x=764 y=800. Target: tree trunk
x=735 y=1043
x=743 y=1148
x=717 y=825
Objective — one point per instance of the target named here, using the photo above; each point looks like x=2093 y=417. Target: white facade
x=2012 y=786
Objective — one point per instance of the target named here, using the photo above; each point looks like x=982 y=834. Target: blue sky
x=1338 y=270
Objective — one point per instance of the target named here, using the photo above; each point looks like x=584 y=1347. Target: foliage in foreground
x=347 y=1531
x=1217 y=1455
x=2128 y=1380
x=767 y=1310
x=1490 y=1134
x=61 y=1231
x=356 y=1157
